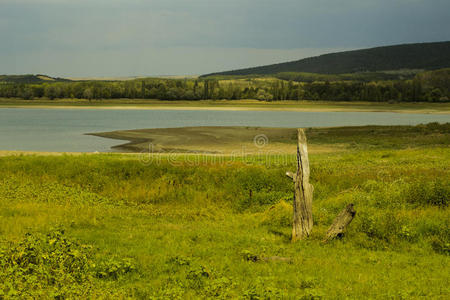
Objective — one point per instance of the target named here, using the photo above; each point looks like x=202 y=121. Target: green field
x=125 y=226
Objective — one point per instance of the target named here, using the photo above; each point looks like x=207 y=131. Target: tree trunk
x=303 y=192
x=341 y=222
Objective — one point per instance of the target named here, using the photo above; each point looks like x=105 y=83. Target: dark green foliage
x=262 y=289
x=54 y=266
x=189 y=274
x=29 y=78
x=44 y=262
x=386 y=137
x=430 y=86
x=430 y=192
x=113 y=268
x=440 y=245
x=248 y=256
x=428 y=56
x=359 y=77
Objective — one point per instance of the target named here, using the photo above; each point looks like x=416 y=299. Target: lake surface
x=38 y=129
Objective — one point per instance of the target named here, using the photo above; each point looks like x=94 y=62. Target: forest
x=431 y=86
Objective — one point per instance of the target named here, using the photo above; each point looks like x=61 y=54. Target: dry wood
x=291 y=175
x=340 y=223
x=303 y=192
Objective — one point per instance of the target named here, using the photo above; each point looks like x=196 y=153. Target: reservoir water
x=39 y=129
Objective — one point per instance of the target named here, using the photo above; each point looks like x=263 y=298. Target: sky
x=116 y=38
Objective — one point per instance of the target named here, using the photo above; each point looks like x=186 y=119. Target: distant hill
x=29 y=78
x=423 y=56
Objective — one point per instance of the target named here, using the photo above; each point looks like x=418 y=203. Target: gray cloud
x=119 y=34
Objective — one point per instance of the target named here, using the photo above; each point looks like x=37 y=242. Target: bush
x=278 y=215
x=383 y=226
x=439 y=245
x=263 y=288
x=422 y=193
x=114 y=268
x=190 y=274
x=53 y=266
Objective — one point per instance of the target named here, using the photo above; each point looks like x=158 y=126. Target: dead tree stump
x=303 y=192
x=340 y=223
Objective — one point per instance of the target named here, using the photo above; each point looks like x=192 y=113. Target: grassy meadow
x=121 y=226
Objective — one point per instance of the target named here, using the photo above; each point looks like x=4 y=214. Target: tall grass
x=189 y=229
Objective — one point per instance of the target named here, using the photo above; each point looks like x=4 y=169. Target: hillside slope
x=426 y=56
x=29 y=78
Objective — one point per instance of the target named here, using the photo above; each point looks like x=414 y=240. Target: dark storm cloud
x=115 y=37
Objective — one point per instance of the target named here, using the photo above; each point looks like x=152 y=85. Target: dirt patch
x=234 y=140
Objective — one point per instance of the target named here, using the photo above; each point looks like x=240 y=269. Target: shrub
x=190 y=274
x=440 y=245
x=53 y=266
x=114 y=268
x=422 y=193
x=278 y=215
x=263 y=288
x=384 y=226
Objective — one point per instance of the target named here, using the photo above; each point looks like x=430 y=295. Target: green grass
x=382 y=137
x=186 y=230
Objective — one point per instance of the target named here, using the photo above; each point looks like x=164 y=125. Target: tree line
x=430 y=86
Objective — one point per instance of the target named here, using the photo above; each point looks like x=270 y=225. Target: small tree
x=88 y=94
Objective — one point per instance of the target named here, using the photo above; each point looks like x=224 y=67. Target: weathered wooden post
x=340 y=223
x=303 y=191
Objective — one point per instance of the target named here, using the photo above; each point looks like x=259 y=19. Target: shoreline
x=237 y=140
x=244 y=105
x=190 y=108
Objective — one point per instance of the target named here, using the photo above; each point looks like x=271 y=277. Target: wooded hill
x=29 y=78
x=423 y=56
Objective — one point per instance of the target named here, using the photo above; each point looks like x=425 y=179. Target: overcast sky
x=76 y=38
